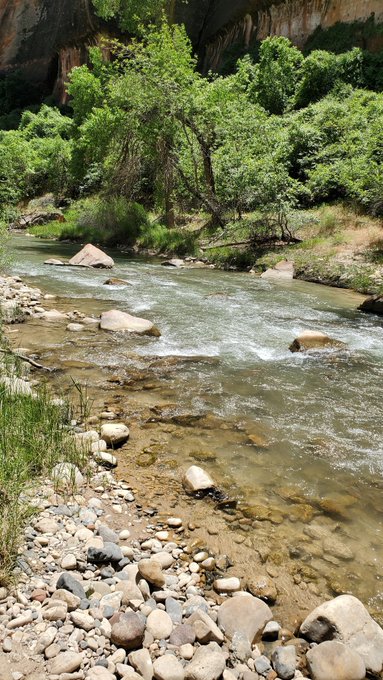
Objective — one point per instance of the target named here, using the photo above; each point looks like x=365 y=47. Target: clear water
x=319 y=416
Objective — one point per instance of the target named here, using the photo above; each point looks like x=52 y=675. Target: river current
x=297 y=438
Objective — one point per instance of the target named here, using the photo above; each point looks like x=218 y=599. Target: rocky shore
x=105 y=588
x=105 y=591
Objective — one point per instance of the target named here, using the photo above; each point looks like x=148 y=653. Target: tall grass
x=34 y=437
x=168 y=241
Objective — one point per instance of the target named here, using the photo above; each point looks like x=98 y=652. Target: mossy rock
x=301 y=513
x=204 y=456
x=259 y=512
x=146 y=458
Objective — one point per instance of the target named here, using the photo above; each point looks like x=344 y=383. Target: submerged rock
x=196 y=479
x=116 y=282
x=114 y=320
x=347 y=620
x=90 y=256
x=55 y=261
x=308 y=340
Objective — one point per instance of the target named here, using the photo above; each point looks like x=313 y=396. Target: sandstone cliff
x=46 y=38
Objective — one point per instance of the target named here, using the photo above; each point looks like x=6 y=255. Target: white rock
x=68 y=562
x=82 y=620
x=347 y=620
x=159 y=624
x=227 y=585
x=174 y=522
x=67 y=476
x=196 y=479
x=66 y=662
x=167 y=667
x=75 y=327
x=114 y=434
x=114 y=320
x=142 y=663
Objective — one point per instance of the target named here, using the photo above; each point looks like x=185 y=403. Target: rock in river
x=114 y=320
x=308 y=340
x=346 y=619
x=196 y=479
x=90 y=256
x=283 y=270
x=373 y=304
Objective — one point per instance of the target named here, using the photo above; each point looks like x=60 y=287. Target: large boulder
x=90 y=256
x=308 y=340
x=196 y=479
x=114 y=320
x=283 y=271
x=373 y=304
x=346 y=619
x=333 y=659
x=244 y=614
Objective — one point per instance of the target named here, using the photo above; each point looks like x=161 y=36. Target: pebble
x=66 y=662
x=167 y=667
x=159 y=624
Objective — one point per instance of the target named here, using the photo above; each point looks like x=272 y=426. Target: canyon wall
x=46 y=38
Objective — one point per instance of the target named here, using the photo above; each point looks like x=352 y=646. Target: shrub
x=111 y=221
x=169 y=241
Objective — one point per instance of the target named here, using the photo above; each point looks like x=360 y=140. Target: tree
x=131 y=14
x=277 y=74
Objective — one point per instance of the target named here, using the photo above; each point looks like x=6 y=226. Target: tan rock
x=115 y=320
x=90 y=256
x=314 y=340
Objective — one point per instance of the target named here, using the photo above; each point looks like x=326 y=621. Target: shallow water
x=311 y=423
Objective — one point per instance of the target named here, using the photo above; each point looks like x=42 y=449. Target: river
x=295 y=438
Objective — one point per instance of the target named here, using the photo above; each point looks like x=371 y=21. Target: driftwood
x=27 y=359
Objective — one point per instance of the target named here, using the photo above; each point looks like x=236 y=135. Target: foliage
x=36 y=157
x=33 y=438
x=131 y=14
x=277 y=74
x=159 y=238
x=283 y=131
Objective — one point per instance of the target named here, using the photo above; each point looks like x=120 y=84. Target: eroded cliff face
x=46 y=38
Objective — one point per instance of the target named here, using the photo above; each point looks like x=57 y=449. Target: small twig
x=27 y=359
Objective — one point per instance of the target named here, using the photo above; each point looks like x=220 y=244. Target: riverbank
x=335 y=246
x=209 y=392
x=84 y=633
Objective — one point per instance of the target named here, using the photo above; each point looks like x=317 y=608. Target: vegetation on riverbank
x=34 y=438
x=151 y=146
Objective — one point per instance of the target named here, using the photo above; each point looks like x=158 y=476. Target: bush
x=169 y=241
x=109 y=221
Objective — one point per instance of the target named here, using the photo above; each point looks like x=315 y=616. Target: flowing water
x=296 y=438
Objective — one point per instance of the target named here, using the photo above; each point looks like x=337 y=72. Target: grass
x=168 y=241
x=34 y=437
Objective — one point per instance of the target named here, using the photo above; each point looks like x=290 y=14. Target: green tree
x=277 y=74
x=131 y=14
